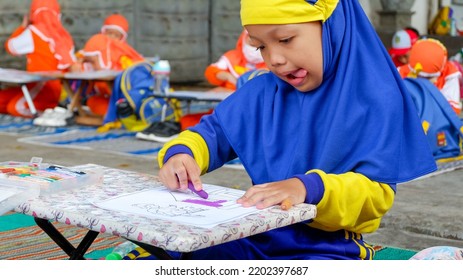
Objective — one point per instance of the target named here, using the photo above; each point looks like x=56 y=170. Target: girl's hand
x=227 y=77
x=178 y=170
x=266 y=195
x=76 y=67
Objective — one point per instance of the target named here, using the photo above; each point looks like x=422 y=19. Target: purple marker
x=201 y=193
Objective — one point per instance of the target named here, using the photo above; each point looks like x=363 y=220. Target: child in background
x=131 y=87
x=115 y=27
x=129 y=103
x=402 y=42
x=307 y=131
x=428 y=59
x=231 y=65
x=104 y=53
x=48 y=47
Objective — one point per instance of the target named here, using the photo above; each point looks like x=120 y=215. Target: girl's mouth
x=296 y=78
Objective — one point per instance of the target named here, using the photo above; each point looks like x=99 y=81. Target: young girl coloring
x=325 y=126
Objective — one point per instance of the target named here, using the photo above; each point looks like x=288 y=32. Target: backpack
x=132 y=101
x=443 y=127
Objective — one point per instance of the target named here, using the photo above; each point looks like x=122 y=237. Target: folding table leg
x=28 y=98
x=74 y=253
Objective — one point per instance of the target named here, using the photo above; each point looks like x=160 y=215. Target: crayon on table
x=7 y=170
x=286 y=204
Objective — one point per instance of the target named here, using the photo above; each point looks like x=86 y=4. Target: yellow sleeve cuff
x=195 y=142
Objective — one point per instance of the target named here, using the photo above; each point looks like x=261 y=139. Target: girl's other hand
x=269 y=194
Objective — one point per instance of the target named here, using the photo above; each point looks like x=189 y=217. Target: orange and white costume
x=116 y=22
x=48 y=47
x=114 y=26
x=237 y=62
x=429 y=59
x=108 y=54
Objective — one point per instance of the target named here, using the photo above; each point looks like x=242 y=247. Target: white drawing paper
x=183 y=207
x=5 y=194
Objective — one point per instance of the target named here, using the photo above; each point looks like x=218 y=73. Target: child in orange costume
x=116 y=26
x=428 y=59
x=48 y=47
x=234 y=63
x=103 y=53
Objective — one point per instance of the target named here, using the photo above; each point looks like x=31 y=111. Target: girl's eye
x=287 y=40
x=259 y=48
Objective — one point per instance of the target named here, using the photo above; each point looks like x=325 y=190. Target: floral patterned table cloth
x=75 y=207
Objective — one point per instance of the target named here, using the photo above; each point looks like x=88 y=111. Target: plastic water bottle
x=121 y=250
x=161 y=72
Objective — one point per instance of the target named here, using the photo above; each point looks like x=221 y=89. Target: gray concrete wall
x=189 y=33
x=225 y=26
x=177 y=31
x=11 y=15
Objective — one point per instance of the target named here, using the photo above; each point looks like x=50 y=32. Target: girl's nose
x=276 y=59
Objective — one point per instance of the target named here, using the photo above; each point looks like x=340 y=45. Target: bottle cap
x=162 y=66
x=113 y=256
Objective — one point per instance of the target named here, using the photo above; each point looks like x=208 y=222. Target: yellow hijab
x=285 y=11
